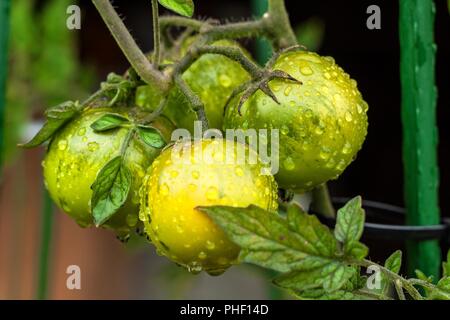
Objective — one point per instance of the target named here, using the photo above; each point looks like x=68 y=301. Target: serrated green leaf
x=330 y=277
x=57 y=117
x=151 y=136
x=441 y=291
x=320 y=294
x=422 y=276
x=357 y=250
x=109 y=121
x=182 y=7
x=350 y=221
x=446 y=266
x=394 y=262
x=267 y=240
x=110 y=190
x=349 y=228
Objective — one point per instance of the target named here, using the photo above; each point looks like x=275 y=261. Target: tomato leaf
x=109 y=121
x=320 y=294
x=110 y=190
x=57 y=117
x=182 y=7
x=349 y=228
x=394 y=262
x=441 y=291
x=151 y=136
x=330 y=277
x=299 y=246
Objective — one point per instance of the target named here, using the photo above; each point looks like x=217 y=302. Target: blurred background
x=50 y=64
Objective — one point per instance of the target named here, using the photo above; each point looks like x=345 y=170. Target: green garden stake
x=420 y=135
x=4 y=36
x=263 y=51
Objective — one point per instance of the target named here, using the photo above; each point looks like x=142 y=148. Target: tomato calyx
x=261 y=79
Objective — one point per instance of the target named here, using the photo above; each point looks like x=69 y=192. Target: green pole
x=420 y=135
x=4 y=38
x=45 y=246
x=263 y=49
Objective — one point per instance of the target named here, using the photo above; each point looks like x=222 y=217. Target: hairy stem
x=399 y=290
x=156 y=34
x=177 y=21
x=235 y=54
x=129 y=47
x=392 y=276
x=194 y=100
x=278 y=25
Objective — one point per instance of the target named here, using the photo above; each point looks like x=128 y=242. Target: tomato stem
x=129 y=47
x=322 y=202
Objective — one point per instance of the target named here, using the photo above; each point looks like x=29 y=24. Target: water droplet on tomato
x=93 y=146
x=212 y=193
x=62 y=145
x=225 y=80
x=347 y=148
x=306 y=70
x=164 y=189
x=289 y=164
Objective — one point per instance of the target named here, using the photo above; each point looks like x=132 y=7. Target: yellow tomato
x=201 y=176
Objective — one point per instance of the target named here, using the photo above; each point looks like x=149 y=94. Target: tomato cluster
x=322 y=121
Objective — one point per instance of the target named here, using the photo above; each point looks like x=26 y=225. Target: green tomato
x=75 y=156
x=322 y=123
x=212 y=77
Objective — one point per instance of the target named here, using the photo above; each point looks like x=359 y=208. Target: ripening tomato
x=322 y=122
x=75 y=156
x=201 y=175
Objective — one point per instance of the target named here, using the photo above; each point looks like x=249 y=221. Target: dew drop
x=288 y=90
x=62 y=145
x=306 y=71
x=347 y=148
x=318 y=130
x=348 y=116
x=284 y=129
x=225 y=80
x=202 y=255
x=82 y=132
x=212 y=193
x=210 y=245
x=341 y=165
x=195 y=174
x=164 y=189
x=92 y=146
x=327 y=75
x=174 y=173
x=132 y=220
x=289 y=164
x=359 y=108
x=239 y=172
x=324 y=154
x=276 y=88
